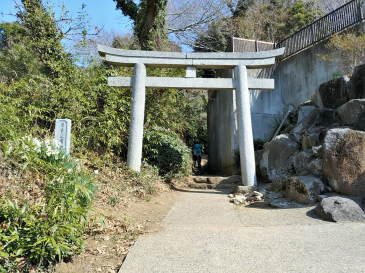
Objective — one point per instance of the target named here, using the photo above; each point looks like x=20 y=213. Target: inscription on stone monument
x=63 y=134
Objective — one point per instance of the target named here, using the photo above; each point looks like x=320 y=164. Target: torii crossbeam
x=239 y=62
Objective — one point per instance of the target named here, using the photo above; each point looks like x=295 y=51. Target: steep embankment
x=51 y=203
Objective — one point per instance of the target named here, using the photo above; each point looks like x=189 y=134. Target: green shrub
x=165 y=150
x=49 y=228
x=11 y=126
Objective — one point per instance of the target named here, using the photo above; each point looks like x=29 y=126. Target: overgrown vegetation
x=167 y=152
x=270 y=21
x=37 y=88
x=350 y=47
x=45 y=198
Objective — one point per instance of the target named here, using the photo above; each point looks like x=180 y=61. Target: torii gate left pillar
x=135 y=140
x=241 y=83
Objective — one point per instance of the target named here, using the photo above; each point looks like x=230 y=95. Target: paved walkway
x=204 y=233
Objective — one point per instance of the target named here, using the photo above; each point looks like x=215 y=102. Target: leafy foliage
x=46 y=229
x=264 y=20
x=299 y=15
x=11 y=126
x=44 y=37
x=45 y=196
x=167 y=152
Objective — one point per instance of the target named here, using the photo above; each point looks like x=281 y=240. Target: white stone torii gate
x=240 y=62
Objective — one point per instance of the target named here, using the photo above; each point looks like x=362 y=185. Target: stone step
x=235 y=179
x=211 y=186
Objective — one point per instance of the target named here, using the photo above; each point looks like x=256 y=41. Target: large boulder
x=304 y=189
x=344 y=160
x=275 y=159
x=358 y=82
x=301 y=161
x=304 y=111
x=333 y=93
x=315 y=167
x=339 y=209
x=317 y=120
x=307 y=122
x=306 y=162
x=327 y=118
x=313 y=137
x=360 y=124
x=352 y=111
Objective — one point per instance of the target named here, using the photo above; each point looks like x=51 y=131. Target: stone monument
x=63 y=134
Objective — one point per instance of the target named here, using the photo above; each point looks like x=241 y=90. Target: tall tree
x=44 y=36
x=149 y=18
x=267 y=20
x=242 y=7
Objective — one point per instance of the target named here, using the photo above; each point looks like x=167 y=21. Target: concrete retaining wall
x=296 y=79
x=222 y=132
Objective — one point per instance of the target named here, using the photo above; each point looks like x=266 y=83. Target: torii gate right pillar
x=245 y=135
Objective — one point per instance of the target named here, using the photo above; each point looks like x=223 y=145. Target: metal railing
x=336 y=21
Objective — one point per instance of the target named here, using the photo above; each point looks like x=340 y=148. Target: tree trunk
x=150 y=26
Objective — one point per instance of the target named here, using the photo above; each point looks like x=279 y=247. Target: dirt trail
x=105 y=252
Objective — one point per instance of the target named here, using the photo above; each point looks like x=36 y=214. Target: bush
x=8 y=121
x=165 y=150
x=47 y=226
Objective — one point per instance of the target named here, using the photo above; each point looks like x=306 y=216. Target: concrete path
x=204 y=233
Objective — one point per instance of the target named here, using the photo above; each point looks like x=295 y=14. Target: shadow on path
x=207 y=191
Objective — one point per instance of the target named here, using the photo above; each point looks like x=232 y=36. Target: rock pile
x=246 y=198
x=322 y=145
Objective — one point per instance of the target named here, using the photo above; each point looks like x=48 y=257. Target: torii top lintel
x=196 y=59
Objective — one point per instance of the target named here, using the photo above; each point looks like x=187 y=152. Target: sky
x=102 y=13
